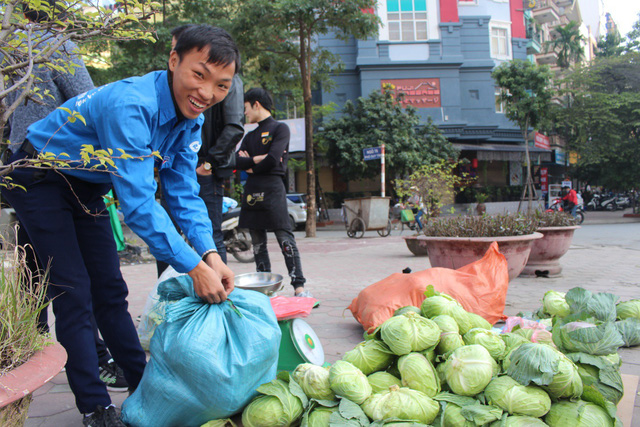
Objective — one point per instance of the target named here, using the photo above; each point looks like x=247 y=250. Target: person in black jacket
x=263 y=154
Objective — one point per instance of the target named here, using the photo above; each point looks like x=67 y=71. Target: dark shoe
x=103 y=417
x=113 y=377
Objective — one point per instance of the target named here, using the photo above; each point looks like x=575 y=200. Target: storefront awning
x=506 y=153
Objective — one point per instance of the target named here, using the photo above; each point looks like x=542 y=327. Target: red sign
x=419 y=93
x=542 y=141
x=544 y=180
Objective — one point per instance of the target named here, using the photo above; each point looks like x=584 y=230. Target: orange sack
x=481 y=288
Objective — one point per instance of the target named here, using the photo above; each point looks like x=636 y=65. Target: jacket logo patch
x=254 y=198
x=195 y=146
x=266 y=139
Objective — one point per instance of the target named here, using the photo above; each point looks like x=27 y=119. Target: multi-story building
x=440 y=54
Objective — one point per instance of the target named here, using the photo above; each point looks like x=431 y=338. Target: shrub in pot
x=453 y=242
x=557 y=229
x=28 y=358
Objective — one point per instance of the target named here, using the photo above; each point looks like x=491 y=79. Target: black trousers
x=66 y=220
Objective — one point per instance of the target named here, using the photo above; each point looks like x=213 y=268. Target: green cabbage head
x=547 y=367
x=516 y=398
x=369 y=356
x=469 y=369
x=577 y=414
x=314 y=381
x=418 y=373
x=409 y=332
x=627 y=309
x=446 y=323
x=319 y=416
x=519 y=421
x=402 y=404
x=381 y=381
x=554 y=304
x=348 y=381
x=477 y=321
x=406 y=308
x=438 y=305
x=276 y=407
x=489 y=340
x=449 y=341
x=586 y=337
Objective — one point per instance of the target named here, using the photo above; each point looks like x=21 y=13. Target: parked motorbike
x=602 y=203
x=623 y=201
x=237 y=241
x=558 y=205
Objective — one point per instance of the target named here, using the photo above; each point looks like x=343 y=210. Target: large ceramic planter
x=546 y=252
x=17 y=385
x=417 y=246
x=456 y=252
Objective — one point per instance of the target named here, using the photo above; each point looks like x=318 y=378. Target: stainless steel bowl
x=267 y=283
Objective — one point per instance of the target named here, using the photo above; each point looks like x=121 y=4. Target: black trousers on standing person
x=66 y=220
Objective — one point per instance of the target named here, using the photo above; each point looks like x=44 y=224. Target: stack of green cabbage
x=440 y=365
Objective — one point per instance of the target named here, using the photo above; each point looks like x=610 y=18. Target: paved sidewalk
x=337 y=268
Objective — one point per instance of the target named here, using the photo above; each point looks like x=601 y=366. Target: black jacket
x=222 y=130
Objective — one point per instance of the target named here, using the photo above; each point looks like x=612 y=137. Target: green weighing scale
x=299 y=343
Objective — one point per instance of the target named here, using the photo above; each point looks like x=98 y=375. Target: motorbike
x=623 y=201
x=602 y=203
x=237 y=241
x=557 y=205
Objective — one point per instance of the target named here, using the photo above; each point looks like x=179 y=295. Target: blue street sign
x=372 y=153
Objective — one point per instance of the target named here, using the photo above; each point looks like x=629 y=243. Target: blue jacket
x=138 y=116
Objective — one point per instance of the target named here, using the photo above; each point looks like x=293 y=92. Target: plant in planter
x=28 y=358
x=481 y=208
x=433 y=184
x=557 y=229
x=457 y=241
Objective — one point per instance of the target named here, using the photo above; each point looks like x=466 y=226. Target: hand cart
x=367 y=213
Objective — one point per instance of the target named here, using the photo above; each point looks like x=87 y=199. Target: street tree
x=568 y=44
x=610 y=45
x=632 y=42
x=281 y=35
x=25 y=46
x=381 y=119
x=526 y=94
x=602 y=121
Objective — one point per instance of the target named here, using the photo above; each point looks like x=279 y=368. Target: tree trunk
x=305 y=72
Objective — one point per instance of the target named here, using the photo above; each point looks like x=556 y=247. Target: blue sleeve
x=127 y=125
x=181 y=191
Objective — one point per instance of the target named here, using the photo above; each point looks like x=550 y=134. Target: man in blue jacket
x=64 y=214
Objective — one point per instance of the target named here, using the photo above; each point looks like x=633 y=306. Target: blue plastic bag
x=207 y=360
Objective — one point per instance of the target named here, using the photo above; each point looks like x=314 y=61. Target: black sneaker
x=113 y=377
x=103 y=417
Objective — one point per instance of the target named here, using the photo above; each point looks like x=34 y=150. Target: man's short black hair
x=222 y=48
x=180 y=29
x=260 y=95
x=51 y=8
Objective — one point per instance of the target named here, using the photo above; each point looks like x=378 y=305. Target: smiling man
x=64 y=215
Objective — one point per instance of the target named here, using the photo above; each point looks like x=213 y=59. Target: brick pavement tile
x=51 y=404
x=60 y=388
x=44 y=389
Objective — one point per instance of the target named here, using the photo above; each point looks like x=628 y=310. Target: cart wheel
x=356 y=229
x=385 y=231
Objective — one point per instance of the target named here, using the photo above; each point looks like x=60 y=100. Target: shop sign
x=419 y=93
x=542 y=141
x=561 y=158
x=544 y=180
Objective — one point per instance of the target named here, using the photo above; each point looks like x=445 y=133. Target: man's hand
x=210 y=283
x=258 y=159
x=227 y=277
x=200 y=170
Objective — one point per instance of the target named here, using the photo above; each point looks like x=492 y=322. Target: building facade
x=440 y=54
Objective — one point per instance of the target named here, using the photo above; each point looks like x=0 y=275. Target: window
x=500 y=42
x=500 y=104
x=407 y=20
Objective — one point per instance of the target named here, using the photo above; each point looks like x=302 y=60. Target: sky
x=624 y=13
